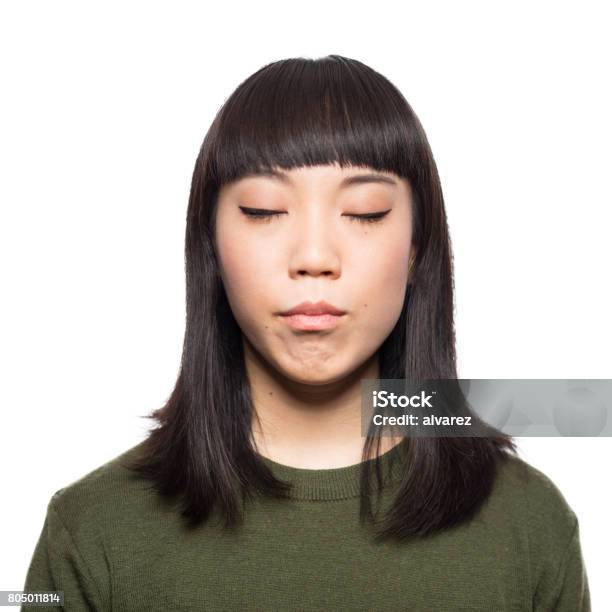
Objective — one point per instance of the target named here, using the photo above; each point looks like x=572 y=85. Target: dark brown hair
x=293 y=113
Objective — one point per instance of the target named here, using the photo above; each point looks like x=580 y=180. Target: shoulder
x=523 y=487
x=101 y=498
x=528 y=504
x=546 y=527
x=84 y=522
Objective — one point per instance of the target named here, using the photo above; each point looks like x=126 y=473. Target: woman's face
x=315 y=249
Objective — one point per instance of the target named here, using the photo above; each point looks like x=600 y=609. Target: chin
x=316 y=378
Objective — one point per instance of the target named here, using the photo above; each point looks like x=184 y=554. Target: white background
x=103 y=109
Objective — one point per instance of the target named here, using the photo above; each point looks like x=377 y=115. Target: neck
x=304 y=425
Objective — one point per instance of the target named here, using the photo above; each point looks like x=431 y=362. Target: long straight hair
x=293 y=113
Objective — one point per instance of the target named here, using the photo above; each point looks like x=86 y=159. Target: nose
x=314 y=252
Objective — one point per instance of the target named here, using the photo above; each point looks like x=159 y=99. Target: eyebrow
x=357 y=179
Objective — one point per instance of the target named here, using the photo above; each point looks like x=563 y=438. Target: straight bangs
x=296 y=113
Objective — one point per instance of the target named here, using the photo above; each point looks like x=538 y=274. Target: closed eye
x=260 y=213
x=369 y=217
x=266 y=215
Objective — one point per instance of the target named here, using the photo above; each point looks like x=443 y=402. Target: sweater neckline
x=338 y=483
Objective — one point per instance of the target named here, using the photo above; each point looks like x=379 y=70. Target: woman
x=317 y=256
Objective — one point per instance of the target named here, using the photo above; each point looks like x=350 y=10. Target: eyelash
x=261 y=214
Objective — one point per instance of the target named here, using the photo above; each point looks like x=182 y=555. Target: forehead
x=327 y=175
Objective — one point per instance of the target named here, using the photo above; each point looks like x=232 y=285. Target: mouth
x=309 y=316
x=306 y=322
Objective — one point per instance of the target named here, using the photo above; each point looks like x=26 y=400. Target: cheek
x=243 y=268
x=382 y=285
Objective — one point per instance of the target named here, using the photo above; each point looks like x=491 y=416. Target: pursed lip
x=313 y=309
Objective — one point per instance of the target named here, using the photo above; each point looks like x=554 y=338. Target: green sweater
x=109 y=543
